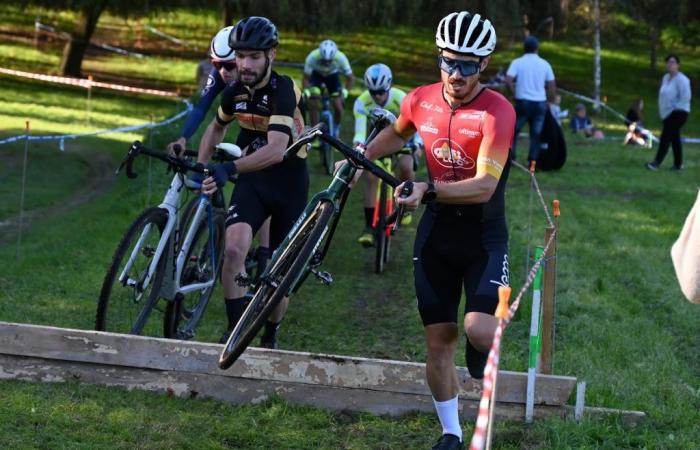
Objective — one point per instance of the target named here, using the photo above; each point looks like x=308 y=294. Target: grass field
x=622 y=324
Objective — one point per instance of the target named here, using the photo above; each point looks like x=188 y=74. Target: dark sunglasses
x=377 y=92
x=228 y=65
x=466 y=68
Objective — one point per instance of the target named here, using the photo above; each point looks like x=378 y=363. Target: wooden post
x=549 y=298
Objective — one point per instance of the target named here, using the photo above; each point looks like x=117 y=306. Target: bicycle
x=384 y=228
x=326 y=116
x=153 y=261
x=383 y=209
x=303 y=250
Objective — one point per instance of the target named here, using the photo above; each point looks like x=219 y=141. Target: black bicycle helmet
x=254 y=33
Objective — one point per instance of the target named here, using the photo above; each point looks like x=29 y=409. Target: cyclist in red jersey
x=462 y=239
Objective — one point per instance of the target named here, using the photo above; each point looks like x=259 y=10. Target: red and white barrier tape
x=86 y=83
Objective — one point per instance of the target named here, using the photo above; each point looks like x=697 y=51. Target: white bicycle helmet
x=328 y=50
x=220 y=50
x=465 y=33
x=378 y=77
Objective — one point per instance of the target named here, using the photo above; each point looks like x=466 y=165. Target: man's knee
x=479 y=328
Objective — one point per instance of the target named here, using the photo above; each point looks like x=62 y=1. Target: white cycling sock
x=448 y=413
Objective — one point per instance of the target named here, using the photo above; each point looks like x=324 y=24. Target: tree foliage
x=89 y=15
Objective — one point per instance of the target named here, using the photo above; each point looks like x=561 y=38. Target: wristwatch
x=430 y=194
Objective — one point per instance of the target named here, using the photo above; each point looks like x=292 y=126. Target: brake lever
x=406 y=191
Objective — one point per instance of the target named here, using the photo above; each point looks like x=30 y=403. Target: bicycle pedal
x=324 y=277
x=243 y=280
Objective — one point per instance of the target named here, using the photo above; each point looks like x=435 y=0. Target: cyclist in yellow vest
x=381 y=94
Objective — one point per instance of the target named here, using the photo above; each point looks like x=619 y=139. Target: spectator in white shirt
x=527 y=78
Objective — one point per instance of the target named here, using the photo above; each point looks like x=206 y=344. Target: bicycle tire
x=381 y=238
x=126 y=310
x=185 y=313
x=287 y=268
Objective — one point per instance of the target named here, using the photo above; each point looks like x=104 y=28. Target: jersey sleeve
x=404 y=125
x=226 y=112
x=360 y=113
x=309 y=64
x=283 y=106
x=344 y=64
x=497 y=131
x=215 y=84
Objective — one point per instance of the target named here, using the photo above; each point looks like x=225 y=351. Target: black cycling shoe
x=476 y=361
x=268 y=343
x=449 y=442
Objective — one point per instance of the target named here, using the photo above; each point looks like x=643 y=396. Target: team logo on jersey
x=208 y=85
x=449 y=154
x=470 y=133
x=430 y=107
x=471 y=115
x=428 y=127
x=240 y=106
x=264 y=100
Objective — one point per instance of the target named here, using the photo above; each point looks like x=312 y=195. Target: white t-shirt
x=531 y=73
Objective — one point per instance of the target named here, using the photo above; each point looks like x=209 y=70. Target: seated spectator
x=581 y=124
x=636 y=134
x=555 y=109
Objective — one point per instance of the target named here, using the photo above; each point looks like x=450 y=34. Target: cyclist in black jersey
x=266 y=106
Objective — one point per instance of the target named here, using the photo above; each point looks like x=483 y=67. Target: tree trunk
x=654 y=43
x=74 y=51
x=563 y=16
x=229 y=12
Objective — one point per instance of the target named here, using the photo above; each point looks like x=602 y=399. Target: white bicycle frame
x=171 y=284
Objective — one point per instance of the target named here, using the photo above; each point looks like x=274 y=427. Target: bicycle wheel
x=381 y=237
x=285 y=270
x=182 y=316
x=125 y=305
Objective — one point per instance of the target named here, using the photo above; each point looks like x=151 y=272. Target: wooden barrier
x=189 y=369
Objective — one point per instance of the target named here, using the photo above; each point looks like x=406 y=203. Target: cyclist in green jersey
x=381 y=94
x=323 y=67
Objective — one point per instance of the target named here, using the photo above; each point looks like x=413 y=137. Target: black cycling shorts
x=331 y=81
x=450 y=255
x=275 y=191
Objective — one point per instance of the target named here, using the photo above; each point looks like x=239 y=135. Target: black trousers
x=671 y=134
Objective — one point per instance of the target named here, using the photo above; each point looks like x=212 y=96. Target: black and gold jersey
x=272 y=107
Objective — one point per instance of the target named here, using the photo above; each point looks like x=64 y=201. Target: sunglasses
x=377 y=92
x=228 y=65
x=466 y=68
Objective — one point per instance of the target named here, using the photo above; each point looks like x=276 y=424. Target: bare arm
x=509 y=82
x=350 y=82
x=551 y=90
x=213 y=135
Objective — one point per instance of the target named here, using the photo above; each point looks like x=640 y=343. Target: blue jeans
x=532 y=112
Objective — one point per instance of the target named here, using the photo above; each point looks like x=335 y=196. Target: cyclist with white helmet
x=223 y=58
x=381 y=94
x=323 y=67
x=462 y=239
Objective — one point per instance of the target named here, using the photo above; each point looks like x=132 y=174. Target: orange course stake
x=503 y=299
x=555 y=207
x=533 y=163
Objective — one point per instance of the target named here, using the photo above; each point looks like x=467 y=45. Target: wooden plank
x=549 y=276
x=263 y=364
x=244 y=391
x=235 y=390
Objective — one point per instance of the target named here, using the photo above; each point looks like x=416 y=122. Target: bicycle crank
x=324 y=277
